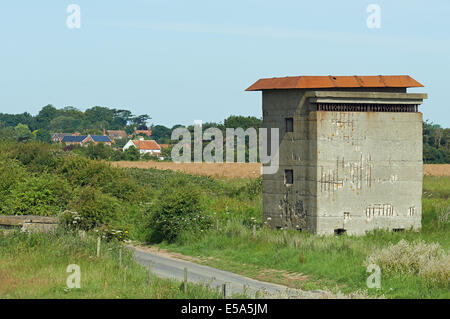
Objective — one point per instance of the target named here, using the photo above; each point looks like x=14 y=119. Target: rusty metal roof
x=330 y=81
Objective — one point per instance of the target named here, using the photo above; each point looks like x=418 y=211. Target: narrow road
x=168 y=267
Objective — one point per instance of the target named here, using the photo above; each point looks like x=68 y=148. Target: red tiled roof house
x=144 y=146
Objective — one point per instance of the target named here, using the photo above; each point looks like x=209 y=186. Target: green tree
x=43 y=135
x=65 y=124
x=121 y=118
x=131 y=154
x=160 y=132
x=235 y=121
x=45 y=116
x=140 y=121
x=99 y=117
x=22 y=132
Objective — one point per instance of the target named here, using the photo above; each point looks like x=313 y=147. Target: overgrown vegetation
x=41 y=179
x=428 y=261
x=201 y=216
x=178 y=211
x=35 y=266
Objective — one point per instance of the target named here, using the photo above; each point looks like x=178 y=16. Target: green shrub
x=178 y=210
x=43 y=195
x=98 y=151
x=150 y=157
x=11 y=172
x=36 y=156
x=113 y=181
x=82 y=171
x=254 y=188
x=94 y=207
x=131 y=154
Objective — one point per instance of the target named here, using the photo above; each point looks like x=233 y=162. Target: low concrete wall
x=30 y=222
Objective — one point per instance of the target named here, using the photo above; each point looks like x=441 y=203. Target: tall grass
x=429 y=261
x=34 y=266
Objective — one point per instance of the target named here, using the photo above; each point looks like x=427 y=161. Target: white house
x=144 y=146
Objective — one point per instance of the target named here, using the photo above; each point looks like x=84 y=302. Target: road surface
x=169 y=267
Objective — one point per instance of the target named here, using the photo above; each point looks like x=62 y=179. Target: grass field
x=34 y=266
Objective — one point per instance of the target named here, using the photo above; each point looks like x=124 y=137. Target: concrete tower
x=350 y=153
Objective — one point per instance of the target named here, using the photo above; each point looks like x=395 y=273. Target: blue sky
x=180 y=61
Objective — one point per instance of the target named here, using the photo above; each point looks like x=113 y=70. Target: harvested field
x=217 y=170
x=436 y=169
x=242 y=170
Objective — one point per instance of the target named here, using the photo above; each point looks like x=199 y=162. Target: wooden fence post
x=120 y=256
x=185 y=279
x=99 y=240
x=149 y=272
x=226 y=290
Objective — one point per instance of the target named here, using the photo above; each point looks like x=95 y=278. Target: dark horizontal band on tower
x=344 y=107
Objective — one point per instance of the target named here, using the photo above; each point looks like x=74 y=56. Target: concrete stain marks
x=393 y=179
x=293 y=214
x=342 y=124
x=356 y=173
x=377 y=210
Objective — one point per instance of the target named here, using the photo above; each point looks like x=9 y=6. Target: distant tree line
x=69 y=120
x=436 y=143
x=24 y=127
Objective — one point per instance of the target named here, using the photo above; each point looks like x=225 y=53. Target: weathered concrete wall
x=369 y=171
x=355 y=171
x=291 y=205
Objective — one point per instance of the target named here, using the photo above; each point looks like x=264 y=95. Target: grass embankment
x=310 y=262
x=34 y=266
